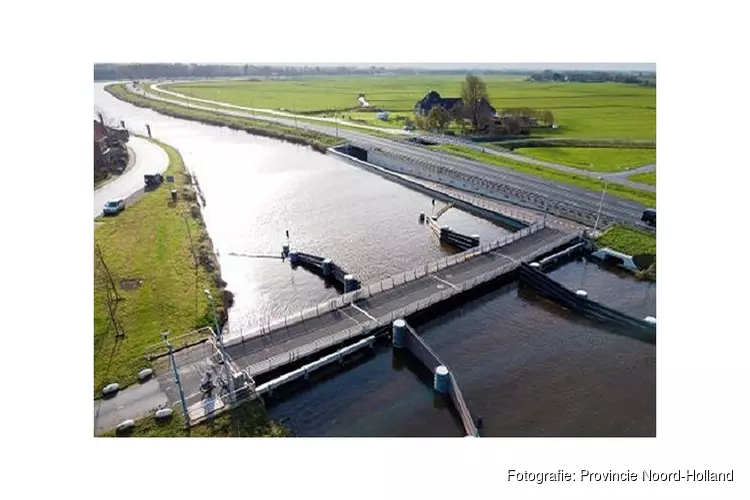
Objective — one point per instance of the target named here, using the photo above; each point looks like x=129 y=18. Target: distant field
x=595 y=159
x=598 y=110
x=646 y=178
x=644 y=197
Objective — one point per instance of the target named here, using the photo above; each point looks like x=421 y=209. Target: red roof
x=99 y=131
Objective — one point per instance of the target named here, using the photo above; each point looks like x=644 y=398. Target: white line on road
x=443 y=281
x=363 y=312
x=348 y=316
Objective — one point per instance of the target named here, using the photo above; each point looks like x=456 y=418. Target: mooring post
x=327 y=267
x=442 y=380
x=399 y=333
x=582 y=294
x=293 y=257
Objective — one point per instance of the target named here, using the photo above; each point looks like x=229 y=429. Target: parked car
x=649 y=216
x=153 y=179
x=114 y=207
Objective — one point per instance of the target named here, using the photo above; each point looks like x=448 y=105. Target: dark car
x=649 y=216
x=153 y=180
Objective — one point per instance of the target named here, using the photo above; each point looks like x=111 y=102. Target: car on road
x=114 y=207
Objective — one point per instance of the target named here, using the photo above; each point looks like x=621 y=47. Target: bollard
x=293 y=257
x=285 y=249
x=349 y=283
x=441 y=381
x=399 y=333
x=650 y=319
x=327 y=267
x=421 y=216
x=582 y=293
x=535 y=265
x=148 y=128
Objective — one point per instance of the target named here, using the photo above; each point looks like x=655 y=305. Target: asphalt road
x=524 y=186
x=149 y=159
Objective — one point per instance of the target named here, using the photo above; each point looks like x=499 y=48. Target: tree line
x=637 y=78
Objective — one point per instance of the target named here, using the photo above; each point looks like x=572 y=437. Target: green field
x=258 y=127
x=594 y=159
x=645 y=197
x=247 y=420
x=149 y=241
x=597 y=110
x=629 y=241
x=645 y=178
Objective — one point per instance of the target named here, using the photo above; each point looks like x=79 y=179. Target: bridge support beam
x=349 y=283
x=399 y=333
x=442 y=380
x=327 y=267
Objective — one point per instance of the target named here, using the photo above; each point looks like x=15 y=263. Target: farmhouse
x=433 y=99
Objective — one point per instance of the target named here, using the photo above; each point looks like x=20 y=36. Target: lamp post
x=230 y=381
x=601 y=200
x=177 y=379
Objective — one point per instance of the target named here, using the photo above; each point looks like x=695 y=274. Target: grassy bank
x=593 y=159
x=603 y=110
x=644 y=197
x=360 y=118
x=247 y=420
x=645 y=178
x=319 y=142
x=629 y=241
x=148 y=250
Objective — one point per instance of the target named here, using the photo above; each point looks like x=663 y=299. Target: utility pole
x=601 y=201
x=177 y=379
x=219 y=333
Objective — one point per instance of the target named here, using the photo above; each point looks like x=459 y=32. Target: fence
x=160 y=349
x=402 y=312
x=383 y=285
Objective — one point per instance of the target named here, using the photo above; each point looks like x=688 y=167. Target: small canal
x=525 y=366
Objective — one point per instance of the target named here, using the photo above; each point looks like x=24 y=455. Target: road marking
x=348 y=316
x=364 y=312
x=446 y=282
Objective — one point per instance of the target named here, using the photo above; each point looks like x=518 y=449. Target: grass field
x=630 y=241
x=647 y=198
x=149 y=241
x=646 y=178
x=597 y=110
x=594 y=159
x=258 y=127
x=247 y=420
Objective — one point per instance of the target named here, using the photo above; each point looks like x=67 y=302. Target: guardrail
x=403 y=312
x=377 y=287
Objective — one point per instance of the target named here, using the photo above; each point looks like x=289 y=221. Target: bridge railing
x=385 y=284
x=387 y=319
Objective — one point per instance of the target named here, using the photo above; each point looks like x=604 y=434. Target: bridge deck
x=254 y=354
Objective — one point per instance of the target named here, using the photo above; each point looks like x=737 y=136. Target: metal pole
x=219 y=333
x=179 y=384
x=598 y=212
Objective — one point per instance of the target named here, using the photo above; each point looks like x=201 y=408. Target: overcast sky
x=532 y=66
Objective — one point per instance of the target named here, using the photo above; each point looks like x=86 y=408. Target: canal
x=526 y=366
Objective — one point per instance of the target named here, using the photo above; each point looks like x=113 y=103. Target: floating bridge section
x=325 y=268
x=450 y=237
x=374 y=307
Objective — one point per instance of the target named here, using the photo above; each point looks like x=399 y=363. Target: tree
x=548 y=118
x=438 y=118
x=473 y=92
